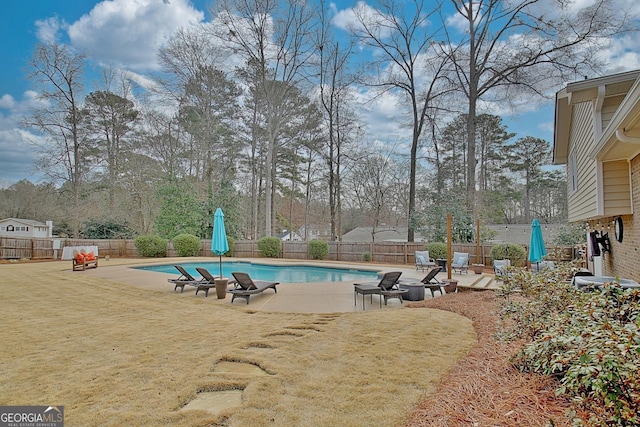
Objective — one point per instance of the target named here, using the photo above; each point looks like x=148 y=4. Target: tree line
x=257 y=113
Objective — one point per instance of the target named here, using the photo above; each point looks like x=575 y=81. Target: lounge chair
x=185 y=279
x=423 y=260
x=500 y=268
x=245 y=286
x=387 y=288
x=430 y=281
x=208 y=281
x=460 y=262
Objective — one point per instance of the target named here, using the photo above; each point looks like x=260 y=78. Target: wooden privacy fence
x=380 y=252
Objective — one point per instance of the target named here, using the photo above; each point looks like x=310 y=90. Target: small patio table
x=365 y=289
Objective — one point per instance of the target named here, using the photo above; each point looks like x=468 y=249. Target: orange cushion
x=90 y=257
x=80 y=257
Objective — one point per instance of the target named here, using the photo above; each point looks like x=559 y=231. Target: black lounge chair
x=184 y=279
x=387 y=288
x=208 y=281
x=430 y=281
x=245 y=286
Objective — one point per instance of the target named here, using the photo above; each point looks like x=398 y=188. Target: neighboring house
x=25 y=228
x=288 y=236
x=316 y=231
x=382 y=234
x=597 y=137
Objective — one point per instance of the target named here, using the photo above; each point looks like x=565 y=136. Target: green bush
x=232 y=244
x=437 y=250
x=516 y=253
x=270 y=246
x=318 y=249
x=151 y=246
x=366 y=256
x=588 y=339
x=186 y=245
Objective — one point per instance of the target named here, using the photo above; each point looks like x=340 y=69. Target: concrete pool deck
x=325 y=297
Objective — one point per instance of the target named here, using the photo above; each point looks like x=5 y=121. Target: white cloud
x=622 y=54
x=7 y=101
x=352 y=19
x=16 y=143
x=48 y=29
x=129 y=32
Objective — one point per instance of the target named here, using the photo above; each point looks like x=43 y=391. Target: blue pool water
x=272 y=273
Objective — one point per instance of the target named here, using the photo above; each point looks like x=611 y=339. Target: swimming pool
x=272 y=273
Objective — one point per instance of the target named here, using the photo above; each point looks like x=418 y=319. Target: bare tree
x=58 y=73
x=512 y=48
x=274 y=38
x=335 y=80
x=406 y=40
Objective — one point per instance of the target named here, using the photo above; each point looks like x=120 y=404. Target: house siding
x=609 y=107
x=624 y=258
x=12 y=227
x=581 y=202
x=616 y=188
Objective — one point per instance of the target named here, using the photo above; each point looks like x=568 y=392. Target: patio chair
x=500 y=268
x=244 y=286
x=208 y=281
x=387 y=288
x=460 y=262
x=184 y=279
x=423 y=260
x=430 y=281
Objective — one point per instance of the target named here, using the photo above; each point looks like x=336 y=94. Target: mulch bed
x=484 y=389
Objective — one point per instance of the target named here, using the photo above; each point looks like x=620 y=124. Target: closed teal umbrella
x=219 y=242
x=537 y=250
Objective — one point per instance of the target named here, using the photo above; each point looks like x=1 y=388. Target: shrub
x=151 y=246
x=318 y=249
x=437 y=250
x=589 y=340
x=270 y=246
x=186 y=245
x=232 y=244
x=516 y=253
x=366 y=256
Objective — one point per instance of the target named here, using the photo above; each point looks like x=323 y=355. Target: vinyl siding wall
x=624 y=259
x=583 y=202
x=616 y=188
x=609 y=107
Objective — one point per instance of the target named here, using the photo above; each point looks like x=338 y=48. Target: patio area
x=325 y=297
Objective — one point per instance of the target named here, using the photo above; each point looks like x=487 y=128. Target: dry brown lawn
x=114 y=354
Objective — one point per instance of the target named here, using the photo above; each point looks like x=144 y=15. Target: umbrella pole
x=220 y=256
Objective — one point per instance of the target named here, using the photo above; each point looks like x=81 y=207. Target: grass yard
x=113 y=354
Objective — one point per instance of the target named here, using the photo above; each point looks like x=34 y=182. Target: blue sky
x=127 y=33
